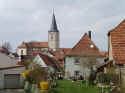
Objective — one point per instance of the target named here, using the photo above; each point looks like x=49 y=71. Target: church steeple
x=53 y=35
x=53 y=25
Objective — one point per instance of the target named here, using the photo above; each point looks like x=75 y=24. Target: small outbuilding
x=10 y=73
x=10 y=77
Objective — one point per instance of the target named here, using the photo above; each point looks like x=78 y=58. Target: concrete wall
x=11 y=71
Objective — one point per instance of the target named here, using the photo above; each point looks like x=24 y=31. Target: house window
x=77 y=61
x=76 y=73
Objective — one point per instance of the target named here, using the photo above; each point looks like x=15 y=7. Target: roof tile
x=118 y=43
x=34 y=45
x=50 y=61
x=85 y=47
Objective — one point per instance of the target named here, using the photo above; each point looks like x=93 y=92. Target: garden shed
x=10 y=77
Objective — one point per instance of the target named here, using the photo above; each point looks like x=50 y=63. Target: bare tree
x=7 y=45
x=86 y=64
x=89 y=62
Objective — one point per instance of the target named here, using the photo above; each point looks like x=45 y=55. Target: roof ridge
x=123 y=21
x=85 y=46
x=81 y=39
x=33 y=44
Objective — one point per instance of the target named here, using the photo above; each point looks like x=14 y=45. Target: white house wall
x=19 y=51
x=70 y=67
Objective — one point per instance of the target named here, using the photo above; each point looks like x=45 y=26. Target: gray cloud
x=26 y=20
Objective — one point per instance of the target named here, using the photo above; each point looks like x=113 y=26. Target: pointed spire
x=54 y=25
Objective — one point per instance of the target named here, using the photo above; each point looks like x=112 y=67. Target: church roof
x=85 y=47
x=118 y=43
x=34 y=45
x=53 y=25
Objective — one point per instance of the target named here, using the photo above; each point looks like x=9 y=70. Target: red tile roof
x=50 y=61
x=85 y=47
x=60 y=53
x=34 y=45
x=11 y=67
x=35 y=52
x=66 y=50
x=118 y=43
x=23 y=45
x=21 y=63
x=3 y=50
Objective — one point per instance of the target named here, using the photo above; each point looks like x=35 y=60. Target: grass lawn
x=67 y=86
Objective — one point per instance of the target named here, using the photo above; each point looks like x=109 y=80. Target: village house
x=29 y=48
x=116 y=43
x=83 y=56
x=47 y=63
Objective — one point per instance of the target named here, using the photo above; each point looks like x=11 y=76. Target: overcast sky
x=26 y=20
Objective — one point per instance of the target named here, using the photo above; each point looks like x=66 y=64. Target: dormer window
x=77 y=61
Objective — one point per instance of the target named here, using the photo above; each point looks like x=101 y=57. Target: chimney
x=89 y=34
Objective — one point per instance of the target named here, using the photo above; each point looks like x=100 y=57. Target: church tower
x=53 y=35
